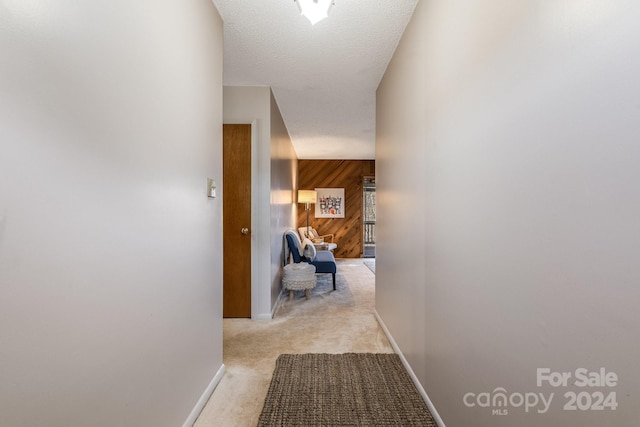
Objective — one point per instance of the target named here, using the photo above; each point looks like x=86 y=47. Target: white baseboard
x=414 y=378
x=274 y=310
x=276 y=306
x=262 y=316
x=195 y=413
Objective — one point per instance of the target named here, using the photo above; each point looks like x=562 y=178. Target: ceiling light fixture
x=314 y=10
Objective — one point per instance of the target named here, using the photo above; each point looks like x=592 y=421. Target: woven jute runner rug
x=352 y=389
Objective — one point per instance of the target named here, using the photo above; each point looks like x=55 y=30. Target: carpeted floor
x=352 y=389
x=340 y=321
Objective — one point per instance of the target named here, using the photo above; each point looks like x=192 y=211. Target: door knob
x=244 y=230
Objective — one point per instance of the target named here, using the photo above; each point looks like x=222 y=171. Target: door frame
x=364 y=217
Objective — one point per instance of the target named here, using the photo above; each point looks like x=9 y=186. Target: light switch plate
x=211 y=188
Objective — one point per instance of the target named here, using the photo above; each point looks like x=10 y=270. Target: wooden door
x=237 y=220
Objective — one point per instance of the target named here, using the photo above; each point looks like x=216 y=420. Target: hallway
x=508 y=195
x=330 y=322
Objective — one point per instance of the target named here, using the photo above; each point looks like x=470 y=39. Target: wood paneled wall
x=347 y=174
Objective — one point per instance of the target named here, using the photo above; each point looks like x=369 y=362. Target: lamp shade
x=307 y=196
x=315 y=10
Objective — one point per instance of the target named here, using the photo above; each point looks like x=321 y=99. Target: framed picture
x=330 y=203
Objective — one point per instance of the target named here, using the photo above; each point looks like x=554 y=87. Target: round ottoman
x=299 y=276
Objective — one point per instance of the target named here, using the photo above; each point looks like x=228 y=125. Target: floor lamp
x=307 y=197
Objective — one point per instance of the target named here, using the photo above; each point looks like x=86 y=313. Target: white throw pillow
x=309 y=249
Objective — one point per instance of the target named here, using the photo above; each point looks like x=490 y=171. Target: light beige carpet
x=340 y=321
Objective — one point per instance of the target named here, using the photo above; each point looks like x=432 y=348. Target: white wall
x=284 y=175
x=110 y=251
x=252 y=104
x=508 y=203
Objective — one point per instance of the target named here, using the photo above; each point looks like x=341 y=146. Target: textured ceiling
x=325 y=76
